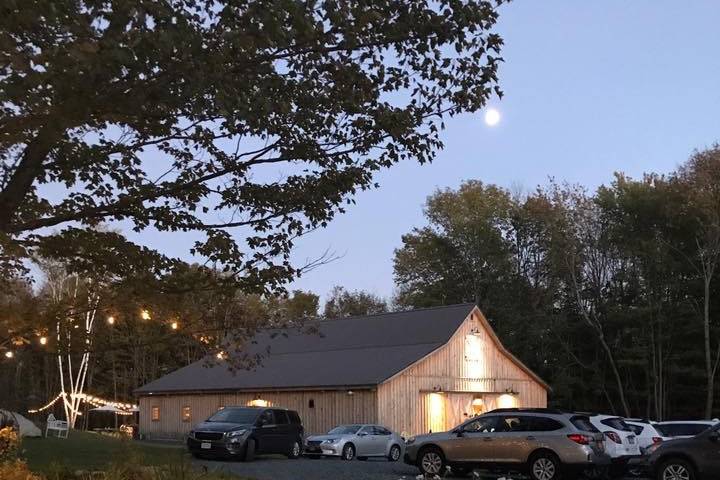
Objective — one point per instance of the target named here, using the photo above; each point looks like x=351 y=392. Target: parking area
x=280 y=468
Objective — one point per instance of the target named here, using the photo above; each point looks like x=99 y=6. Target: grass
x=92 y=451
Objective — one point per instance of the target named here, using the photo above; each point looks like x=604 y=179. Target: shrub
x=9 y=444
x=16 y=470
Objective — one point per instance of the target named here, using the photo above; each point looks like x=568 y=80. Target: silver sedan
x=351 y=441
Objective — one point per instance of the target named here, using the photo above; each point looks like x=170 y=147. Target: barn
x=413 y=371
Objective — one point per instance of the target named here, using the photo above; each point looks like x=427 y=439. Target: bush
x=16 y=470
x=9 y=444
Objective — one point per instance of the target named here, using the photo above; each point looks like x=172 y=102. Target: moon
x=492 y=117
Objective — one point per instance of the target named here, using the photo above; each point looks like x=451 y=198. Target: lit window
x=259 y=402
x=155 y=414
x=186 y=415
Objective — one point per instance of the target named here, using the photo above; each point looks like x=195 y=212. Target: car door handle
x=530 y=437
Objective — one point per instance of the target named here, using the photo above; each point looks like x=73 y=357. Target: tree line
x=610 y=295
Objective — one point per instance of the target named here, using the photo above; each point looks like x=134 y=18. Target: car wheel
x=544 y=466
x=676 y=469
x=394 y=454
x=295 y=449
x=249 y=450
x=431 y=462
x=348 y=452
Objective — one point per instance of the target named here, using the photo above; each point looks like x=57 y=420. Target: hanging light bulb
x=9 y=354
x=111 y=320
x=43 y=340
x=174 y=325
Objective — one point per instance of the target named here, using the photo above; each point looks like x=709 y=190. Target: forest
x=610 y=295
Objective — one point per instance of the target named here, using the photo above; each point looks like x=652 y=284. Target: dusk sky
x=590 y=88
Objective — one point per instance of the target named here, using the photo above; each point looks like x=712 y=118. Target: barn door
x=458 y=408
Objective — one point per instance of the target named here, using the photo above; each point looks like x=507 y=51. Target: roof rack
x=529 y=410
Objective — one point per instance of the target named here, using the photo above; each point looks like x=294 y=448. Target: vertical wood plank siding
x=331 y=408
x=403 y=401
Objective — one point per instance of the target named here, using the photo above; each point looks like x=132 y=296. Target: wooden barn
x=414 y=371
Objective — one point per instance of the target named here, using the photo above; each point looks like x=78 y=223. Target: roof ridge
x=437 y=307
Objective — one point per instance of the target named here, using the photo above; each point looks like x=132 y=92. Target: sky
x=591 y=88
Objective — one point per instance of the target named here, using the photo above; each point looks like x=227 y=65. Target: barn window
x=155 y=414
x=186 y=414
x=311 y=403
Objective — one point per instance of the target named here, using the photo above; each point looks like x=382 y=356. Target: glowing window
x=186 y=414
x=259 y=402
x=155 y=414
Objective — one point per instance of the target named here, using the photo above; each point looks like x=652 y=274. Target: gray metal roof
x=347 y=352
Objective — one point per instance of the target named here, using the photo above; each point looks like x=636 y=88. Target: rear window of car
x=637 y=429
x=616 y=423
x=544 y=424
x=281 y=417
x=583 y=423
x=294 y=417
x=681 y=429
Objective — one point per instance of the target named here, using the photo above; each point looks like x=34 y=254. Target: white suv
x=620 y=440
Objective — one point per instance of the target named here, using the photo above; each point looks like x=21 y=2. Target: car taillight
x=579 y=438
x=657 y=439
x=614 y=437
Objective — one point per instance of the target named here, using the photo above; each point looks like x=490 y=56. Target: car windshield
x=345 y=430
x=235 y=415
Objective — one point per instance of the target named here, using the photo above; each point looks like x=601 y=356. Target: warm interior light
x=436 y=410
x=506 y=401
x=478 y=406
x=111 y=320
x=145 y=315
x=259 y=402
x=43 y=340
x=174 y=325
x=9 y=354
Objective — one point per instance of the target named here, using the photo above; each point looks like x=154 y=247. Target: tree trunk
x=708 y=352
x=616 y=373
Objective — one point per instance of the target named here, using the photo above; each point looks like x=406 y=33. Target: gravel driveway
x=280 y=468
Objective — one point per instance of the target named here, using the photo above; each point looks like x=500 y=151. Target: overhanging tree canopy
x=201 y=116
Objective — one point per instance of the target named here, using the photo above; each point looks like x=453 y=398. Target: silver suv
x=542 y=443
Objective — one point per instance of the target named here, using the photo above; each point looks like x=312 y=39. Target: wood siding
x=405 y=401
x=330 y=408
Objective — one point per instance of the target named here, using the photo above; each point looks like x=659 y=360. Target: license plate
x=206 y=445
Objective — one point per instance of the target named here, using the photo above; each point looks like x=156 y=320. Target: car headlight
x=410 y=440
x=331 y=440
x=237 y=433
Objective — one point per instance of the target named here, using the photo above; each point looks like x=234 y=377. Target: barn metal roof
x=347 y=352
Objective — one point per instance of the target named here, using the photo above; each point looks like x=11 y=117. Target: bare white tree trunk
x=72 y=379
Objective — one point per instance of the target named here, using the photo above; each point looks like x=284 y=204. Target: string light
x=220 y=355
x=144 y=314
x=174 y=325
x=9 y=354
x=111 y=320
x=49 y=404
x=43 y=340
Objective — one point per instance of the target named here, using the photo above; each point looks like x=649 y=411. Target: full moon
x=492 y=117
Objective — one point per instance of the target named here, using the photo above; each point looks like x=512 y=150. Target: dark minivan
x=242 y=432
